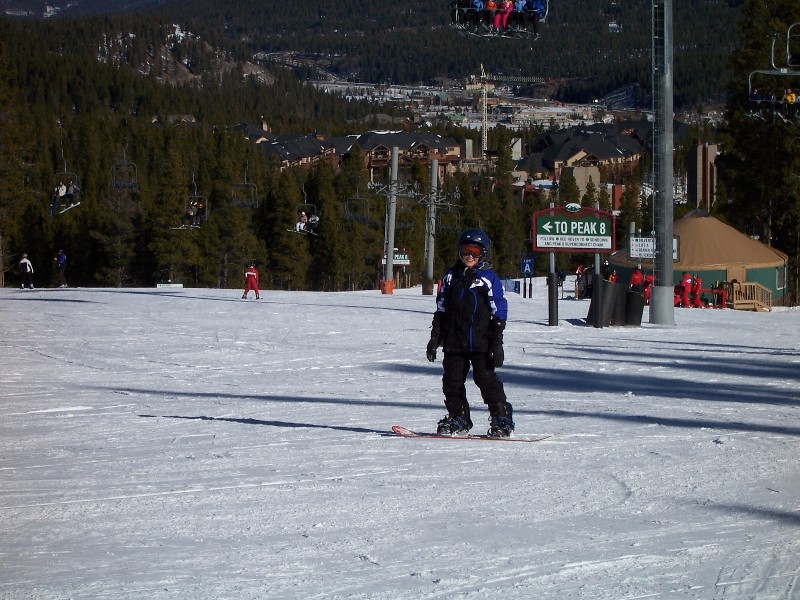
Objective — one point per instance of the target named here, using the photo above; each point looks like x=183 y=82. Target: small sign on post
x=526 y=268
x=643 y=247
x=400 y=259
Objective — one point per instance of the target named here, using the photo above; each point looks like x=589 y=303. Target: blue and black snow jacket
x=467 y=302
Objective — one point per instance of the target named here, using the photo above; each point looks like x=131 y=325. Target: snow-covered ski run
x=181 y=443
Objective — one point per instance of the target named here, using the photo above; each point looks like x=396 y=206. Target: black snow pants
x=456 y=367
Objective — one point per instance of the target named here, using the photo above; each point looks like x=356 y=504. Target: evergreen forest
x=86 y=96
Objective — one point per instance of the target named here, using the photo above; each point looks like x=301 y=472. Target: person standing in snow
x=682 y=291
x=26 y=270
x=697 y=285
x=648 y=287
x=60 y=260
x=470 y=317
x=636 y=282
x=251 y=281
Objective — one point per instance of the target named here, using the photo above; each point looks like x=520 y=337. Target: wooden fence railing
x=749 y=296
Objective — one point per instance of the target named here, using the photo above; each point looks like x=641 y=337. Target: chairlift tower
x=662 y=309
x=391 y=192
x=436 y=202
x=485 y=78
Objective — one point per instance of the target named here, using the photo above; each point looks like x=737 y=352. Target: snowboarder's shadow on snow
x=286 y=424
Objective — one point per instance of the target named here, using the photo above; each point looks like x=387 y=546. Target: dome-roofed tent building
x=720 y=255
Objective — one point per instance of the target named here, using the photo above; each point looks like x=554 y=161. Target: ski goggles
x=472 y=250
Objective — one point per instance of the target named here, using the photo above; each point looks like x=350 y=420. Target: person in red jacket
x=648 y=284
x=251 y=281
x=682 y=291
x=636 y=282
x=697 y=284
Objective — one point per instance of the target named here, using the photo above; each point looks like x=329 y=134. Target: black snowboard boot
x=457 y=425
x=501 y=422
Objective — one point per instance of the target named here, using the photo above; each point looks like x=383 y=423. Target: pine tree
x=290 y=259
x=329 y=272
x=590 y=198
x=568 y=190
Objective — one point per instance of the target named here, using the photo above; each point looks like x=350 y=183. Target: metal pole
x=430 y=230
x=387 y=286
x=597 y=289
x=2 y=263
x=662 y=309
x=552 y=289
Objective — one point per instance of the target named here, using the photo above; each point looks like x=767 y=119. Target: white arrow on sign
x=547 y=226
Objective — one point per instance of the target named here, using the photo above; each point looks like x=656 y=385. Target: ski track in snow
x=186 y=444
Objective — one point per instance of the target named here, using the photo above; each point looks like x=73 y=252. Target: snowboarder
x=26 y=270
x=468 y=324
x=251 y=281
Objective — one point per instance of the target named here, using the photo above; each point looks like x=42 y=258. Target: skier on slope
x=468 y=324
x=26 y=270
x=251 y=281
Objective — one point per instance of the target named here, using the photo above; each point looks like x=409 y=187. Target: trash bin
x=634 y=307
x=608 y=299
x=618 y=310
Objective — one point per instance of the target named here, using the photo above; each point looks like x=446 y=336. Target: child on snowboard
x=468 y=324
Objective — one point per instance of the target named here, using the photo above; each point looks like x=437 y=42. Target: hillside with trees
x=82 y=95
x=409 y=41
x=760 y=192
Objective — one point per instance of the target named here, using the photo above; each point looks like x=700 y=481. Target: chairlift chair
x=771 y=102
x=244 y=194
x=405 y=213
x=312 y=217
x=793 y=45
x=66 y=186
x=472 y=22
x=66 y=192
x=357 y=209
x=196 y=211
x=125 y=176
x=448 y=218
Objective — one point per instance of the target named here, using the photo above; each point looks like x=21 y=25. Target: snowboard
x=70 y=207
x=408 y=433
x=304 y=232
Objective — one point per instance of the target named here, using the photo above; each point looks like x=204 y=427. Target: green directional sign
x=570 y=230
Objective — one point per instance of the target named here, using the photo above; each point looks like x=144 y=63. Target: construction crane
x=485 y=78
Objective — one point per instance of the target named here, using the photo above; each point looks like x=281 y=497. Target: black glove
x=496 y=354
x=436 y=337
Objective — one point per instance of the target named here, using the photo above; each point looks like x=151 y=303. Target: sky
x=185 y=443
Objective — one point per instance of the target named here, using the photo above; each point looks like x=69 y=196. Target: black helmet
x=477 y=237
